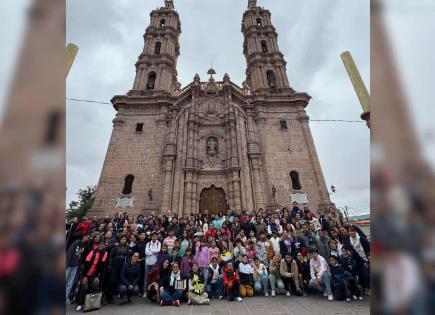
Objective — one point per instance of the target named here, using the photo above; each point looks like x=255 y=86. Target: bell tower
x=266 y=67
x=156 y=69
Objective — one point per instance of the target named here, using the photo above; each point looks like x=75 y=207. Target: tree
x=79 y=208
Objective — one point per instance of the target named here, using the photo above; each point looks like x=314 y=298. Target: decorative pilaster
x=255 y=157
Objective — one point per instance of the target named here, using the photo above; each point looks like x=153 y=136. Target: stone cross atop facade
x=211 y=71
x=252 y=4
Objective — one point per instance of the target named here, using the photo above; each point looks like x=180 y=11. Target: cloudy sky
x=312 y=34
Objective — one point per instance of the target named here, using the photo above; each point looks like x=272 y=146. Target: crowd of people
x=233 y=254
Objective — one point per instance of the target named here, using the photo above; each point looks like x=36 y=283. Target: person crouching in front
x=246 y=273
x=172 y=287
x=231 y=282
x=196 y=294
x=290 y=274
x=215 y=279
x=129 y=278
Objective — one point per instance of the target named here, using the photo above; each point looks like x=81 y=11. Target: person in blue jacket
x=343 y=282
x=129 y=278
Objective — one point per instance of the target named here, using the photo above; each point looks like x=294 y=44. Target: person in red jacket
x=231 y=282
x=211 y=231
x=84 y=227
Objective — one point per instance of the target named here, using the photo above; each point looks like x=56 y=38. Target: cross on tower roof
x=169 y=4
x=252 y=3
x=211 y=72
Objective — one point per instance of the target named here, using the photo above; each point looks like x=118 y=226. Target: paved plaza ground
x=278 y=305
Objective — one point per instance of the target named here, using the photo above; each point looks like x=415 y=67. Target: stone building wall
x=135 y=153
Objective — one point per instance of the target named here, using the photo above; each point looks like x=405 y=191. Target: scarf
x=174 y=277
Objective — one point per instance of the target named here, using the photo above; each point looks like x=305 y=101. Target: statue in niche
x=212 y=146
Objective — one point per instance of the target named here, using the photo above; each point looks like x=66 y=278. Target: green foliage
x=79 y=208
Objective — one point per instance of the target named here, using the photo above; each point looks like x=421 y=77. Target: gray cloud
x=312 y=34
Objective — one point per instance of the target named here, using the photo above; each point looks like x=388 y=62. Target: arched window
x=151 y=81
x=296 y=184
x=128 y=184
x=259 y=23
x=271 y=80
x=264 y=46
x=162 y=22
x=157 y=48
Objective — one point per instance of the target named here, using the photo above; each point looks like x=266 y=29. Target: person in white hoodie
x=274 y=240
x=320 y=274
x=152 y=250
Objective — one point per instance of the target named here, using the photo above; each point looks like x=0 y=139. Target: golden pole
x=71 y=52
x=358 y=84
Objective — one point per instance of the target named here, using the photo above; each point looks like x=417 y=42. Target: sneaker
x=348 y=300
x=188 y=302
x=304 y=293
x=266 y=293
x=288 y=293
x=325 y=294
x=360 y=298
x=176 y=303
x=273 y=293
x=354 y=297
x=330 y=297
x=239 y=299
x=79 y=308
x=221 y=297
x=144 y=295
x=162 y=303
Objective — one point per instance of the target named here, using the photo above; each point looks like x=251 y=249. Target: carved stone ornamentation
x=212 y=146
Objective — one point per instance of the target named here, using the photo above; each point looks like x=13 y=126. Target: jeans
x=276 y=282
x=123 y=289
x=70 y=276
x=215 y=289
x=262 y=283
x=148 y=268
x=325 y=283
x=170 y=298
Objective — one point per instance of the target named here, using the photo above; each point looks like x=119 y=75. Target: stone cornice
x=296 y=99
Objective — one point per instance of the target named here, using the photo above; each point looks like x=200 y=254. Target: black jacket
x=73 y=253
x=140 y=248
x=89 y=260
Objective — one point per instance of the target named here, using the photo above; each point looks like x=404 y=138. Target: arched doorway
x=212 y=199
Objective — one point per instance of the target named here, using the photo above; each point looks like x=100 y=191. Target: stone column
x=169 y=158
x=246 y=190
x=255 y=156
x=188 y=193
x=169 y=164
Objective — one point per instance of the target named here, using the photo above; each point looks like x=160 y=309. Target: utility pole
x=71 y=53
x=358 y=84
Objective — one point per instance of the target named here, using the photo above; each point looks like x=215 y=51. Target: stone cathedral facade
x=211 y=145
